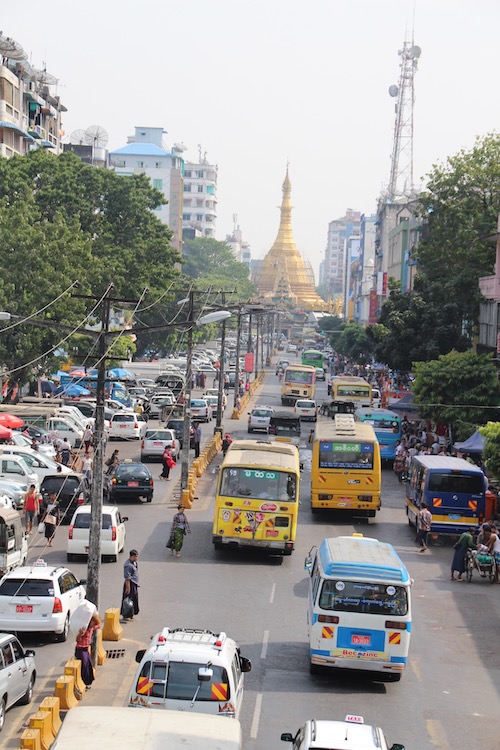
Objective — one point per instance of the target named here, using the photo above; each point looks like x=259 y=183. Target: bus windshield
x=345 y=455
x=383 y=425
x=457 y=483
x=259 y=484
x=299 y=376
x=353 y=390
x=364 y=598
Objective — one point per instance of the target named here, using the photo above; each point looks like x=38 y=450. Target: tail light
x=328 y=618
x=81 y=499
x=151 y=483
x=113 y=533
x=395 y=625
x=113 y=481
x=57 y=608
x=142 y=444
x=136 y=425
x=365 y=498
x=70 y=532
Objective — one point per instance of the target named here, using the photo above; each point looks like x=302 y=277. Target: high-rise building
x=30 y=112
x=200 y=196
x=146 y=154
x=333 y=266
x=241 y=248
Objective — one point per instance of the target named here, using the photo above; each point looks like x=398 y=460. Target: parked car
x=23 y=441
x=177 y=425
x=39 y=598
x=306 y=409
x=127 y=426
x=17 y=674
x=155 y=442
x=215 y=392
x=113 y=532
x=213 y=403
x=259 y=418
x=128 y=479
x=15 y=491
x=200 y=410
x=351 y=734
x=71 y=489
x=157 y=402
x=34 y=431
x=13 y=468
x=36 y=462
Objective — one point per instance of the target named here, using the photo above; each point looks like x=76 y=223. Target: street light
x=4 y=315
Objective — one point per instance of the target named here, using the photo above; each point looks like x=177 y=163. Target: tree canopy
x=491 y=452
x=213 y=264
x=456 y=388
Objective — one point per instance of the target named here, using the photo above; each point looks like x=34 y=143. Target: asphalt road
x=448 y=697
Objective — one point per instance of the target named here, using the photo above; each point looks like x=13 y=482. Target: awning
x=47 y=144
x=17 y=128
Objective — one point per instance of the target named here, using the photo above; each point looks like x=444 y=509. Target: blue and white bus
x=387 y=426
x=359 y=606
x=454 y=490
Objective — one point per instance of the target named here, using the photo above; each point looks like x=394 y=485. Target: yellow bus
x=351 y=388
x=257 y=500
x=298 y=382
x=345 y=472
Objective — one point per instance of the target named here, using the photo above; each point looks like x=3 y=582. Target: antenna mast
x=401 y=179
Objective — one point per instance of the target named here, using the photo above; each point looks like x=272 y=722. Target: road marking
x=254 y=730
x=416 y=668
x=120 y=697
x=437 y=734
x=273 y=591
x=265 y=641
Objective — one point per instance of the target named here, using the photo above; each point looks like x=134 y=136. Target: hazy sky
x=261 y=82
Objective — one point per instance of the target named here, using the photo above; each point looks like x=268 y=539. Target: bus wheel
x=392 y=677
x=314 y=668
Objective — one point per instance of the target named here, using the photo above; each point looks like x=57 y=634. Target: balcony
x=489 y=286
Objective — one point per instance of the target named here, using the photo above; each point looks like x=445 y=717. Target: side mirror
x=246 y=664
x=29 y=652
x=397 y=746
x=139 y=655
x=124 y=518
x=287 y=737
x=83 y=582
x=308 y=563
x=301 y=466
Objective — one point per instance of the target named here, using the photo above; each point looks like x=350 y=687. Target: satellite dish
x=415 y=52
x=96 y=136
x=77 y=137
x=43 y=77
x=393 y=91
x=180 y=147
x=11 y=49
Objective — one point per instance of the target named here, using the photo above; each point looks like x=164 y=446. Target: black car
x=72 y=490
x=128 y=479
x=177 y=425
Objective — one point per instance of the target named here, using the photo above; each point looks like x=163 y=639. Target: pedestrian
x=113 y=459
x=51 y=518
x=399 y=465
x=197 y=440
x=87 y=438
x=131 y=580
x=465 y=542
x=493 y=545
x=31 y=507
x=238 y=402
x=203 y=378
x=34 y=444
x=180 y=526
x=167 y=464
x=83 y=641
x=226 y=442
x=424 y=521
x=65 y=452
x=87 y=467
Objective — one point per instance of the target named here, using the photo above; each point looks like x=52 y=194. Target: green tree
x=491 y=452
x=333 y=327
x=213 y=264
x=355 y=342
x=455 y=388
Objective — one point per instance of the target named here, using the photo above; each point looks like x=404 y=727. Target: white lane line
x=273 y=591
x=254 y=730
x=437 y=735
x=265 y=641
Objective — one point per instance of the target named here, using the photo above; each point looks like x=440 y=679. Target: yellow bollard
x=65 y=691
x=112 y=630
x=186 y=499
x=74 y=667
x=197 y=467
x=30 y=739
x=235 y=414
x=52 y=706
x=43 y=722
x=101 y=651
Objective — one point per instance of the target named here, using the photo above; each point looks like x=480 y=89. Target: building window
x=187 y=173
x=199 y=202
x=140 y=164
x=211 y=189
x=200 y=174
x=199 y=217
x=187 y=188
x=186 y=217
x=200 y=188
x=158 y=184
x=187 y=202
x=158 y=164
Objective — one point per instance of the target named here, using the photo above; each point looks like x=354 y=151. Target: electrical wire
x=42 y=309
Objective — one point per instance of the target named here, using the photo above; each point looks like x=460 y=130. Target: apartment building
x=200 y=197
x=333 y=267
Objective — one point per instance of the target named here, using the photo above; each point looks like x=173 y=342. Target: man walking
x=197 y=440
x=424 y=521
x=131 y=581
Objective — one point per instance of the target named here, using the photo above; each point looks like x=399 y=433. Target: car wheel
x=62 y=637
x=2 y=713
x=28 y=696
x=149 y=499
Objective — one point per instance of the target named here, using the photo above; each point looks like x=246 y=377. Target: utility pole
x=218 y=421
x=238 y=347
x=258 y=333
x=187 y=395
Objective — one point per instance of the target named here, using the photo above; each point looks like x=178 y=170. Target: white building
x=332 y=272
x=200 y=197
x=146 y=154
x=241 y=249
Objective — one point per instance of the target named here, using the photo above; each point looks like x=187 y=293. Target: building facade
x=146 y=154
x=200 y=197
x=240 y=248
x=333 y=269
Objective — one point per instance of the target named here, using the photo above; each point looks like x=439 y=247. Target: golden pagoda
x=284 y=276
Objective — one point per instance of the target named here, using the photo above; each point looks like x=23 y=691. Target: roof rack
x=344 y=424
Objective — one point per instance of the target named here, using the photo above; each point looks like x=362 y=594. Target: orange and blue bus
x=387 y=426
x=453 y=489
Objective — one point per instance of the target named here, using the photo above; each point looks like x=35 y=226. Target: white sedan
x=155 y=442
x=127 y=426
x=37 y=463
x=112 y=532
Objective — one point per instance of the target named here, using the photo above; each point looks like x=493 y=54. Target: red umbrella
x=9 y=420
x=5 y=433
x=77 y=374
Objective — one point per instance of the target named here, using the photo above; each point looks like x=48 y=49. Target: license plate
x=132 y=484
x=360 y=640
x=123 y=427
x=157 y=442
x=454 y=516
x=24 y=608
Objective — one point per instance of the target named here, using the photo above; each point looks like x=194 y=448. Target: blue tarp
x=473 y=444
x=120 y=374
x=72 y=390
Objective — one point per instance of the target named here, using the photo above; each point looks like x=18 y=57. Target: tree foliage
x=491 y=452
x=455 y=388
x=213 y=264
x=356 y=343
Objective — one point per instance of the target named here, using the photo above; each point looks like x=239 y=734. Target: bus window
x=261 y=484
x=366 y=598
x=472 y=484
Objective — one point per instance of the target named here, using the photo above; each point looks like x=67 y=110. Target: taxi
x=351 y=734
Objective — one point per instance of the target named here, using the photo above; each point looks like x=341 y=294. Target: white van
x=190 y=670
x=94 y=727
x=13 y=542
x=15 y=469
x=37 y=463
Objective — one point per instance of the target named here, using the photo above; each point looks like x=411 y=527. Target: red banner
x=372 y=315
x=249 y=362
